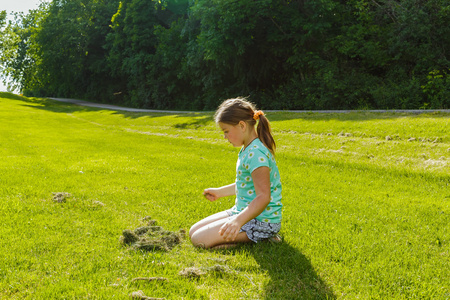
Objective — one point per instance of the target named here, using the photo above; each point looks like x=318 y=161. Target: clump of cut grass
x=194 y=272
x=128 y=237
x=148 y=279
x=96 y=204
x=149 y=221
x=219 y=269
x=141 y=295
x=191 y=273
x=61 y=197
x=151 y=238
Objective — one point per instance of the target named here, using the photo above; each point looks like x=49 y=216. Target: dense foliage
x=183 y=54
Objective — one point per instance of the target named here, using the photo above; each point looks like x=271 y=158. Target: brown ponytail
x=232 y=111
x=265 y=133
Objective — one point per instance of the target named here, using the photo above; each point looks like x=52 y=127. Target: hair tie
x=257 y=114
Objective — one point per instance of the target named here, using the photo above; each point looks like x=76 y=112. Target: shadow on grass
x=49 y=105
x=291 y=274
x=197 y=120
x=68 y=107
x=195 y=124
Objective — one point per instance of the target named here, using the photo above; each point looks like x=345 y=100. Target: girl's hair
x=232 y=111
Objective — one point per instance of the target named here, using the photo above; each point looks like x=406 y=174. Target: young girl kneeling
x=256 y=214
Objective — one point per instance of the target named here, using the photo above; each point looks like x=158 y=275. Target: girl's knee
x=197 y=240
x=192 y=230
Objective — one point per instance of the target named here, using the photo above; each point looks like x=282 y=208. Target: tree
x=72 y=39
x=131 y=46
x=19 y=58
x=285 y=54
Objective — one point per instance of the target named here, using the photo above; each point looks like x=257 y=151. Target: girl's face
x=235 y=134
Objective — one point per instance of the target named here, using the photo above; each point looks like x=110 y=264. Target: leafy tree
x=132 y=45
x=71 y=40
x=394 y=45
x=3 y=16
x=285 y=54
x=19 y=58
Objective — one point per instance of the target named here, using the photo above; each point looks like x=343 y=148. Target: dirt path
x=115 y=107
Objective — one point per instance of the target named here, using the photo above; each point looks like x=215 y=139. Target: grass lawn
x=366 y=205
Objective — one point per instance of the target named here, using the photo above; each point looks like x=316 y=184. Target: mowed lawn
x=366 y=205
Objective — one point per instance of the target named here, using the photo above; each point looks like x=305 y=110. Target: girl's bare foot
x=276 y=239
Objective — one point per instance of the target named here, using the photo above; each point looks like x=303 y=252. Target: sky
x=17 y=6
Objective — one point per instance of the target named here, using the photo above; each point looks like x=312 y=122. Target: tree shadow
x=196 y=119
x=199 y=122
x=291 y=274
x=51 y=105
x=85 y=106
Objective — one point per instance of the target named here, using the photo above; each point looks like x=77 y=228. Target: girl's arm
x=212 y=194
x=261 y=181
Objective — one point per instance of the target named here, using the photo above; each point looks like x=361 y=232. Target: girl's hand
x=230 y=230
x=211 y=194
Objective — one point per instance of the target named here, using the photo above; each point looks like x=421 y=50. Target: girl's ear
x=243 y=125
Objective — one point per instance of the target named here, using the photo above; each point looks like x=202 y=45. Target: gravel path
x=115 y=107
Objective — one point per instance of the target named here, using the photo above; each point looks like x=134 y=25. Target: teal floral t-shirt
x=257 y=155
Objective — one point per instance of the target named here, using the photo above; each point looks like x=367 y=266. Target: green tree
x=146 y=49
x=393 y=45
x=19 y=58
x=131 y=46
x=285 y=54
x=71 y=40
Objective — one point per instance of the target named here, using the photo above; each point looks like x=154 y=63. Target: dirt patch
x=151 y=237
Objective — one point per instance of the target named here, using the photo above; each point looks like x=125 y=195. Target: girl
x=256 y=214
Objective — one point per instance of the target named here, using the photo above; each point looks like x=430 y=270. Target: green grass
x=365 y=217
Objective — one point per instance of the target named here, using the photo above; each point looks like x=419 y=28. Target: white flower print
x=248 y=178
x=262 y=159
